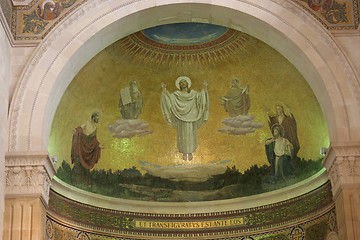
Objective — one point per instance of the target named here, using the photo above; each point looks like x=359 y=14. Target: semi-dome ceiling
x=141 y=155
x=185 y=44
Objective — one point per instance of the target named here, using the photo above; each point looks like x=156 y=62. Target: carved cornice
x=28 y=174
x=343 y=166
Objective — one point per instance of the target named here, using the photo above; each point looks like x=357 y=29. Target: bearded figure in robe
x=131 y=101
x=288 y=123
x=85 y=150
x=236 y=101
x=279 y=153
x=186 y=110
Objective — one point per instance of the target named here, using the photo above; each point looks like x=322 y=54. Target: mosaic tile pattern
x=310 y=216
x=335 y=15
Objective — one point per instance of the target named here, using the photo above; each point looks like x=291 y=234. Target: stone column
x=28 y=176
x=343 y=166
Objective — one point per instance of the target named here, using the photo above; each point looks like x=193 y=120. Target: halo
x=46 y=1
x=281 y=129
x=95 y=111
x=236 y=79
x=285 y=108
x=187 y=79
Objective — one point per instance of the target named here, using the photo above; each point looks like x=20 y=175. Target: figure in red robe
x=85 y=150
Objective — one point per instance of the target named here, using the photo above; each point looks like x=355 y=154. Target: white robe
x=186 y=112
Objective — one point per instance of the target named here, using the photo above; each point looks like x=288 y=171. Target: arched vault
x=96 y=24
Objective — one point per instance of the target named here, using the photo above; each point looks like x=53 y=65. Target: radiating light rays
x=227 y=48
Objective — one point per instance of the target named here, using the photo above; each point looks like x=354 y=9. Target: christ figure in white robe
x=186 y=110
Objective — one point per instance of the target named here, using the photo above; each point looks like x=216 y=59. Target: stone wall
x=4 y=83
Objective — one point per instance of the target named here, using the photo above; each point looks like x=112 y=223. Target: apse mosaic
x=34 y=21
x=187 y=112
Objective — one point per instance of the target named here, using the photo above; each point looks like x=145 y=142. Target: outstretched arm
x=269 y=141
x=163 y=86
x=267 y=113
x=205 y=83
x=246 y=90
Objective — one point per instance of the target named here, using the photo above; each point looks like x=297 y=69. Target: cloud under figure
x=128 y=128
x=240 y=125
x=186 y=172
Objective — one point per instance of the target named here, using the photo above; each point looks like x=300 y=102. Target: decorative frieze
x=234 y=222
x=309 y=216
x=28 y=174
x=343 y=166
x=34 y=19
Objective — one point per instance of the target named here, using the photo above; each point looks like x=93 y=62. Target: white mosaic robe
x=186 y=112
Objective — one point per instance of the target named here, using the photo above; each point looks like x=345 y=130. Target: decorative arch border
x=95 y=25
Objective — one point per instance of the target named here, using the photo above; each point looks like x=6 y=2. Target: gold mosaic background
x=271 y=79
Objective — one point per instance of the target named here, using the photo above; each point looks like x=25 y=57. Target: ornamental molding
x=281 y=218
x=21 y=2
x=343 y=166
x=29 y=25
x=28 y=174
x=345 y=150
